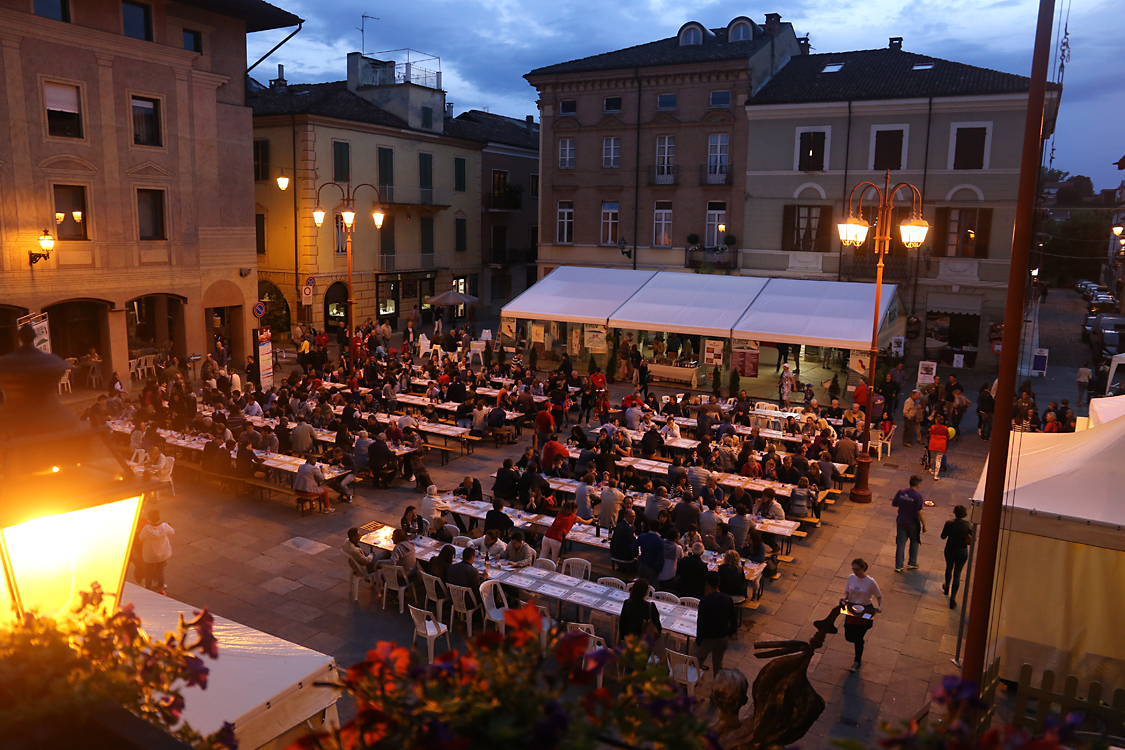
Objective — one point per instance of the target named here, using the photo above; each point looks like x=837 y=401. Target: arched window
x=691 y=35
x=740 y=32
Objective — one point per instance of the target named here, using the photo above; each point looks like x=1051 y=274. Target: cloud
x=486 y=46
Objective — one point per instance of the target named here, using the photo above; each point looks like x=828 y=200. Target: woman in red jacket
x=939 y=441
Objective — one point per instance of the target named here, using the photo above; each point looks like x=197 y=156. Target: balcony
x=666 y=174
x=866 y=267
x=711 y=258
x=714 y=174
x=414 y=196
x=512 y=255
x=412 y=261
x=509 y=199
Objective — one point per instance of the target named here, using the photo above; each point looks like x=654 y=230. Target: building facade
x=828 y=122
x=510 y=209
x=128 y=141
x=639 y=145
x=386 y=136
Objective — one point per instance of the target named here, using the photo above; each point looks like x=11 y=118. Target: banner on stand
x=745 y=361
x=265 y=358
x=713 y=352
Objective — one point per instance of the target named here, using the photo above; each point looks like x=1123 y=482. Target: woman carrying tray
x=859 y=593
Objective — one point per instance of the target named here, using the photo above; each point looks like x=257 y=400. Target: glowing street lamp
x=318 y=215
x=1117 y=229
x=68 y=503
x=282 y=181
x=853 y=231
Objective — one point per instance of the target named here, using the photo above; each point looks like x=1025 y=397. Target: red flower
x=489 y=640
x=571 y=648
x=523 y=624
x=596 y=703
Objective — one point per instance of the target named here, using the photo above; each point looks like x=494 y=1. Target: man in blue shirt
x=910 y=522
x=651 y=558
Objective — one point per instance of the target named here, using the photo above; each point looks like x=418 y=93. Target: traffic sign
x=996 y=345
x=259 y=309
x=195 y=357
x=310 y=281
x=307 y=296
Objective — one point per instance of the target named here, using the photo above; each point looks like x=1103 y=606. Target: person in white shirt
x=156 y=548
x=489 y=545
x=352 y=549
x=406 y=421
x=1084 y=375
x=860 y=589
x=429 y=510
x=252 y=409
x=670 y=429
x=633 y=417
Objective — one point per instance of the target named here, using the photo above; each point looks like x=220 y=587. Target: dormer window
x=740 y=32
x=923 y=66
x=832 y=68
x=691 y=36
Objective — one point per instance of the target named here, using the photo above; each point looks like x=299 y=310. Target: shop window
x=952 y=338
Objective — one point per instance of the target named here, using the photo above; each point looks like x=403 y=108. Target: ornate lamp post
x=347 y=193
x=853 y=233
x=68 y=503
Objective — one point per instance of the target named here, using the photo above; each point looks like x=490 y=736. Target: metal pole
x=964 y=601
x=351 y=296
x=861 y=490
x=984 y=572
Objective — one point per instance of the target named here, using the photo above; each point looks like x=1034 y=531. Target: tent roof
x=815 y=313
x=698 y=304
x=1046 y=466
x=255 y=674
x=795 y=311
x=1104 y=410
x=576 y=294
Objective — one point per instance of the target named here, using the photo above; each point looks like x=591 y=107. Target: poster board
x=537 y=333
x=507 y=328
x=745 y=361
x=575 y=338
x=713 y=352
x=595 y=338
x=860 y=362
x=265 y=358
x=898 y=346
x=927 y=371
x=42 y=330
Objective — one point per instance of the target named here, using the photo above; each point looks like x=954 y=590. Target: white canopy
x=576 y=294
x=692 y=303
x=261 y=684
x=1104 y=410
x=795 y=311
x=817 y=313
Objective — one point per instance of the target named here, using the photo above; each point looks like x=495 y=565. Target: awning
x=951 y=302
x=574 y=294
x=697 y=304
x=817 y=313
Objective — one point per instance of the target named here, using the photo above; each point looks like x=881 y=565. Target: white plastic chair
x=165 y=475
x=394 y=577
x=766 y=406
x=881 y=443
x=134 y=364
x=94 y=375
x=65 y=382
x=684 y=670
x=428 y=628
x=690 y=602
x=462 y=541
x=465 y=603
x=651 y=590
x=544 y=564
x=585 y=627
x=596 y=642
x=613 y=583
x=547 y=624
x=664 y=596
x=139 y=456
x=576 y=567
x=493 y=613
x=436 y=592
x=358 y=573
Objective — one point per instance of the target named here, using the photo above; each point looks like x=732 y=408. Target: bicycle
x=927 y=461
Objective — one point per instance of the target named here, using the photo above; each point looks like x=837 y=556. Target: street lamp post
x=347 y=194
x=853 y=232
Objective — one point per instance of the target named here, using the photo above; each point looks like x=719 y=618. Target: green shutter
x=461 y=234
x=341 y=161
x=984 y=231
x=825 y=230
x=459 y=174
x=789 y=228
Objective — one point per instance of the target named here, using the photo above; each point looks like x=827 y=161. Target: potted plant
x=693 y=241
x=734 y=381
x=486 y=355
x=592 y=366
x=533 y=358
x=730 y=240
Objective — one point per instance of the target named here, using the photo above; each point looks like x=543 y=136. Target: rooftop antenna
x=362 y=31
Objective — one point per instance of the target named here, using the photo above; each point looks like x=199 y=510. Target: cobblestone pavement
x=251 y=560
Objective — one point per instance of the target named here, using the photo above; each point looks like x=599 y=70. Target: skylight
x=832 y=68
x=923 y=66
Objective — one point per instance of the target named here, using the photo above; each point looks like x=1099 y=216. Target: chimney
x=896 y=43
x=279 y=82
x=803 y=43
x=449 y=109
x=773 y=24
x=530 y=120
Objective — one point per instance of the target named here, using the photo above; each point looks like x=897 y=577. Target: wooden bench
x=444 y=450
x=810 y=520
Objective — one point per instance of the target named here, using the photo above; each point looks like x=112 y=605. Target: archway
x=336 y=307
x=277 y=308
x=78 y=326
x=8 y=318
x=155 y=324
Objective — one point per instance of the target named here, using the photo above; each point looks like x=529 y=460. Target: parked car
x=1093 y=291
x=1106 y=344
x=1080 y=285
x=1088 y=325
x=1104 y=306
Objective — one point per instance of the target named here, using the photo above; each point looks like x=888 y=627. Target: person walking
x=957 y=534
x=716 y=623
x=986 y=406
x=1084 y=376
x=860 y=589
x=939 y=442
x=910 y=522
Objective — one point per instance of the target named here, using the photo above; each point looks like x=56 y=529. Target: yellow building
x=385 y=137
x=126 y=138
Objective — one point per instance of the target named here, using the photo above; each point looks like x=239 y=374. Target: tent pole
x=984 y=572
x=964 y=601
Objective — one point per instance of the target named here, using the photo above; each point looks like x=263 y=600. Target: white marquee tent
x=795 y=311
x=1058 y=603
x=263 y=685
x=1104 y=410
